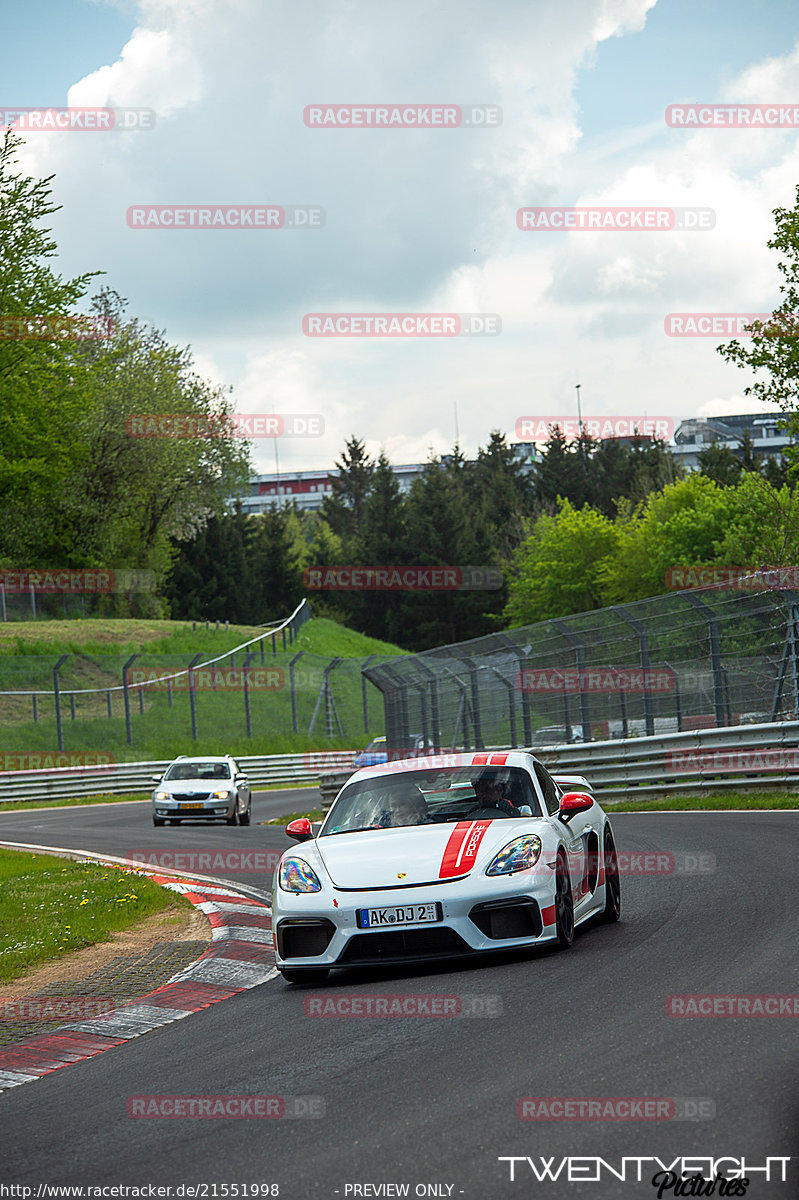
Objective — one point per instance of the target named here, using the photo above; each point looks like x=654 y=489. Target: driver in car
x=488 y=789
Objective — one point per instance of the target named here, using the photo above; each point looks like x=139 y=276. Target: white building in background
x=307 y=489
x=692 y=436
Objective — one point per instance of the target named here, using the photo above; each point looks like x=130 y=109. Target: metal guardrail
x=764 y=755
x=268 y=770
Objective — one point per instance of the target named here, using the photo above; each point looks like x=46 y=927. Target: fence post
x=193 y=696
x=33 y=605
x=35 y=707
x=715 y=655
x=294 y=660
x=57 y=698
x=3 y=600
x=246 y=671
x=579 y=647
x=126 y=696
x=643 y=654
x=521 y=658
x=471 y=666
x=511 y=701
x=436 y=716
x=108 y=704
x=72 y=706
x=364 y=664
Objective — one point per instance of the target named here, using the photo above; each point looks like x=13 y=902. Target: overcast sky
x=422 y=220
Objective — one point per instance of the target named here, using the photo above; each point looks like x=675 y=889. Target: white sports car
x=443 y=856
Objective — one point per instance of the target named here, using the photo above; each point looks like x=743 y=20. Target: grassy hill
x=161 y=724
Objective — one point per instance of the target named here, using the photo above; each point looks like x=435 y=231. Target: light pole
x=577 y=387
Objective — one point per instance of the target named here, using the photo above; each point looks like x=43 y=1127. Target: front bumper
x=312 y=931
x=207 y=809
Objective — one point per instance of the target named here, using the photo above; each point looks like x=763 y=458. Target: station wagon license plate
x=406 y=914
x=195 y=806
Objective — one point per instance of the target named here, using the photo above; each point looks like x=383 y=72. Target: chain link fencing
x=698 y=659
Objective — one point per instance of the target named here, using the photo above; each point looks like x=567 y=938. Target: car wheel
x=159 y=821
x=231 y=820
x=244 y=817
x=564 y=904
x=309 y=977
x=612 y=910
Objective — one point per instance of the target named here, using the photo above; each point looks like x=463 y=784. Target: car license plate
x=406 y=914
x=181 y=806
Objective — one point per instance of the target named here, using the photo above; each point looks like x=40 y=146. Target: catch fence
x=690 y=660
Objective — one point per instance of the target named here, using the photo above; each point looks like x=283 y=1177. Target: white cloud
x=417 y=221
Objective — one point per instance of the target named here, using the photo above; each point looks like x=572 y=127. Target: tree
x=43 y=378
x=721 y=464
x=497 y=482
x=343 y=509
x=557 y=569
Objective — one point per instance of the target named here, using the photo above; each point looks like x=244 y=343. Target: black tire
x=231 y=820
x=244 y=817
x=159 y=821
x=564 y=904
x=319 y=975
x=612 y=910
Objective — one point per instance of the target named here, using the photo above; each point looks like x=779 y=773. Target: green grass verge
x=707 y=800
x=51 y=906
x=313 y=814
x=162 y=728
x=78 y=801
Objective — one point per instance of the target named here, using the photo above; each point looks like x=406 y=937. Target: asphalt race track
x=433 y=1101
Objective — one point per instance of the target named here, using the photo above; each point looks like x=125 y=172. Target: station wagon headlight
x=162 y=795
x=221 y=795
x=297 y=876
x=518 y=855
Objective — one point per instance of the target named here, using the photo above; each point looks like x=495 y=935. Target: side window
x=547 y=785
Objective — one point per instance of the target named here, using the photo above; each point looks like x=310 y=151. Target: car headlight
x=297 y=876
x=221 y=795
x=518 y=855
x=162 y=795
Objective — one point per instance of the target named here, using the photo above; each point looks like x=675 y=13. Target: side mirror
x=526 y=811
x=301 y=829
x=156 y=778
x=573 y=803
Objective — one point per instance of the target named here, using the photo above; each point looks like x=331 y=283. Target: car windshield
x=198 y=770
x=430 y=797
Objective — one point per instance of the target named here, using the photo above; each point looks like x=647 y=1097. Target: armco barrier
x=736 y=756
x=269 y=770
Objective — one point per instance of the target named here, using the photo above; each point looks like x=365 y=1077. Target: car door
x=242 y=784
x=576 y=831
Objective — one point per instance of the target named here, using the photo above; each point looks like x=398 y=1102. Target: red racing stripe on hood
x=461 y=849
